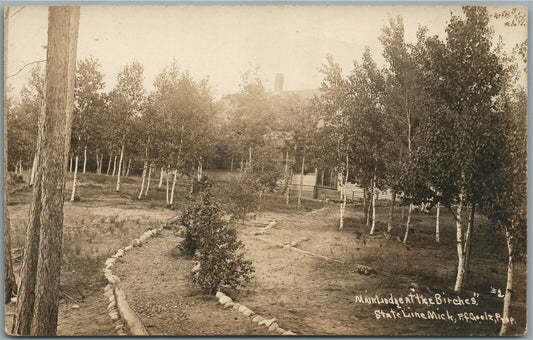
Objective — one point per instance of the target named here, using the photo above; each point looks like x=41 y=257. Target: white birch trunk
x=408 y=224
x=343 y=196
x=509 y=284
x=73 y=193
x=200 y=170
x=437 y=224
x=391 y=212
x=69 y=166
x=168 y=199
x=101 y=164
x=231 y=164
x=84 y=159
x=250 y=157
x=460 y=252
x=119 y=168
x=148 y=182
x=160 y=178
x=128 y=169
x=374 y=195
x=97 y=164
x=142 y=181
x=109 y=164
x=114 y=166
x=301 y=180
x=173 y=186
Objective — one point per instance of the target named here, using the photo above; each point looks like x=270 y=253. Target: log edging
x=124 y=318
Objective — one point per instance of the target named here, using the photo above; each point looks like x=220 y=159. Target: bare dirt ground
x=307 y=294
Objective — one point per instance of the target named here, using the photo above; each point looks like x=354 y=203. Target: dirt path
x=159 y=289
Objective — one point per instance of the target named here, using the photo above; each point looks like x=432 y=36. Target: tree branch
x=28 y=64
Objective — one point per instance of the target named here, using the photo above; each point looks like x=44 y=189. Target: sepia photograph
x=265 y=170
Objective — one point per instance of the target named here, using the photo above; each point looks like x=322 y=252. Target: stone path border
x=120 y=312
x=271 y=324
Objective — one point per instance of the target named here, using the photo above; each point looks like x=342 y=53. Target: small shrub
x=215 y=244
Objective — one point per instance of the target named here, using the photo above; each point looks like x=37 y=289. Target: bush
x=215 y=244
x=240 y=196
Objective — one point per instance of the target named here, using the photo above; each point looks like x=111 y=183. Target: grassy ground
x=308 y=294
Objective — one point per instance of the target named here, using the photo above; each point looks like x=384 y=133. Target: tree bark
x=120 y=167
x=10 y=285
x=70 y=165
x=231 y=164
x=49 y=189
x=73 y=193
x=301 y=180
x=97 y=164
x=85 y=159
x=391 y=212
x=368 y=216
x=32 y=175
x=509 y=284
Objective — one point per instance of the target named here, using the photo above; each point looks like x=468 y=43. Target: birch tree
x=127 y=101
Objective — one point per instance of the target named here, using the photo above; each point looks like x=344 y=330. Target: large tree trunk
x=28 y=270
x=148 y=182
x=437 y=224
x=10 y=285
x=509 y=284
x=84 y=159
x=301 y=180
x=391 y=211
x=60 y=76
x=460 y=251
x=120 y=167
x=74 y=180
x=142 y=181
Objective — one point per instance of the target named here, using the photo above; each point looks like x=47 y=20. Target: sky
x=223 y=42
